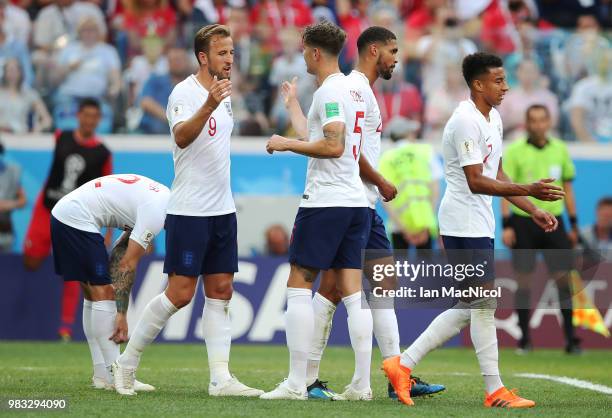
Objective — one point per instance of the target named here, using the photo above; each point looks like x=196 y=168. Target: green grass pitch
x=56 y=370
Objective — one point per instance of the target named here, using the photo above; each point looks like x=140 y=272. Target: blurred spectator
x=12 y=196
x=530 y=91
x=155 y=92
x=443 y=101
x=151 y=62
x=599 y=235
x=282 y=13
x=17 y=25
x=590 y=104
x=422 y=18
x=18 y=101
x=240 y=28
x=197 y=13
x=445 y=46
x=141 y=18
x=398 y=99
x=581 y=51
x=284 y=68
x=498 y=32
x=57 y=23
x=564 y=13
x=55 y=26
x=528 y=34
x=354 y=18
x=87 y=67
x=277 y=240
x=14 y=48
x=323 y=10
x=79 y=156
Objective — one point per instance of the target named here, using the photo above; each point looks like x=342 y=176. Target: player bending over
x=133 y=203
x=472 y=150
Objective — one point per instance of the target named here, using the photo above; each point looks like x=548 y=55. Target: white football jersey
x=335 y=182
x=201 y=185
x=124 y=201
x=469 y=139
x=372 y=130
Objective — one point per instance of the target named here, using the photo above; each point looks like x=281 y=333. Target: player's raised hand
x=543 y=190
x=219 y=90
x=121 y=329
x=388 y=191
x=289 y=90
x=276 y=143
x=545 y=220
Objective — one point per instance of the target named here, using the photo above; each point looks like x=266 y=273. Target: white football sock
x=103 y=314
x=360 y=330
x=217 y=332
x=445 y=326
x=299 y=327
x=153 y=319
x=484 y=339
x=97 y=358
x=324 y=311
x=385 y=329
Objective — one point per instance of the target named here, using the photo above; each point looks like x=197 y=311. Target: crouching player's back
x=135 y=204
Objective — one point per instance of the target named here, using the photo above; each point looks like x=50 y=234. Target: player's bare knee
x=180 y=290
x=221 y=290
x=330 y=292
x=101 y=292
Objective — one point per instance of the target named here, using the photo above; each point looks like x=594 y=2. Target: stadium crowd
x=130 y=53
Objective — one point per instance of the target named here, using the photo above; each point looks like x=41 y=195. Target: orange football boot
x=399 y=377
x=504 y=398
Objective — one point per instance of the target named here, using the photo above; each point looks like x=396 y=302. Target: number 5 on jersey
x=358 y=130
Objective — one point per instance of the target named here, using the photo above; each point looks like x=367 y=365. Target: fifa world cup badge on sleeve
x=332 y=109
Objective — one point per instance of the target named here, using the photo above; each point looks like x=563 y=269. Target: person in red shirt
x=398 y=98
x=147 y=17
x=79 y=156
x=353 y=17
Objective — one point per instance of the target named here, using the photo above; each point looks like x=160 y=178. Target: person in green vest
x=415 y=170
x=526 y=160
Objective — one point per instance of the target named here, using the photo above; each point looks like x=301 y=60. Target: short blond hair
x=201 y=42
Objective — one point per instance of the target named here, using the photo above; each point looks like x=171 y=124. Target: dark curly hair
x=326 y=36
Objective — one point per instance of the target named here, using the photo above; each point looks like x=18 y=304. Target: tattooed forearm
x=123 y=281
x=122 y=278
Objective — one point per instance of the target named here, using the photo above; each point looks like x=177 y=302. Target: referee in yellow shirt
x=525 y=161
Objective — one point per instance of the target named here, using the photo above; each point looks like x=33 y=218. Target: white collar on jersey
x=470 y=101
x=362 y=75
x=330 y=76
x=195 y=80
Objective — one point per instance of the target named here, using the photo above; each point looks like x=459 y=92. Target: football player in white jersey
x=377 y=49
x=332 y=223
x=201 y=235
x=472 y=150
x=133 y=203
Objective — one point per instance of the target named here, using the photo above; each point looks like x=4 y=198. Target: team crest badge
x=228 y=107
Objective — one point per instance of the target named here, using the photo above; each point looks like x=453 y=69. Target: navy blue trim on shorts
x=79 y=255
